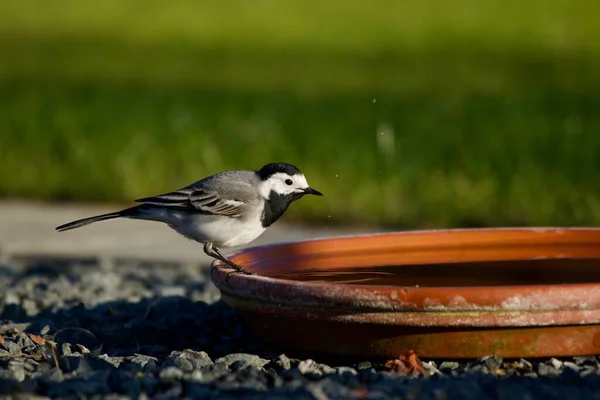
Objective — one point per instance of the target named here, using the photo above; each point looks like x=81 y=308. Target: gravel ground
x=130 y=330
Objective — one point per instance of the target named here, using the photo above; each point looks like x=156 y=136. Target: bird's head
x=285 y=180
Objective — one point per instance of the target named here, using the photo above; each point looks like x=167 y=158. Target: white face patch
x=277 y=183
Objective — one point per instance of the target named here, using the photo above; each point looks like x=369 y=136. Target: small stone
x=252 y=359
x=526 y=364
x=307 y=366
x=556 y=363
x=25 y=341
x=171 y=373
x=30 y=307
x=114 y=361
x=167 y=291
x=195 y=376
x=17 y=367
x=492 y=363
x=198 y=358
x=10 y=297
x=364 y=365
x=66 y=349
x=12 y=347
x=82 y=349
x=279 y=363
x=184 y=364
x=326 y=369
x=240 y=365
x=477 y=367
x=346 y=370
x=213 y=372
x=30 y=365
x=571 y=365
x=196 y=355
x=430 y=368
x=588 y=370
x=547 y=370
x=448 y=365
x=582 y=360
x=143 y=361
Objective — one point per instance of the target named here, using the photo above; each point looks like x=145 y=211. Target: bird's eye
x=288 y=182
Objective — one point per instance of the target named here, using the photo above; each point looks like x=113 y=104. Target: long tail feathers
x=85 y=221
x=141 y=211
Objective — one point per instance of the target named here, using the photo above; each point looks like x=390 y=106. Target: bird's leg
x=215 y=253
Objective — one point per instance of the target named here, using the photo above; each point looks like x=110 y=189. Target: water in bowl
x=487 y=273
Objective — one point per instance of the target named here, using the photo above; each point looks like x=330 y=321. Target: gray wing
x=209 y=196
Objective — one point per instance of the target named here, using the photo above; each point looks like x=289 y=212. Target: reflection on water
x=490 y=273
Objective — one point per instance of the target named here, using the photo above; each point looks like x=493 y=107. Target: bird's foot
x=215 y=253
x=237 y=267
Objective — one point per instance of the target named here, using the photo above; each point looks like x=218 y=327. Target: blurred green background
x=404 y=113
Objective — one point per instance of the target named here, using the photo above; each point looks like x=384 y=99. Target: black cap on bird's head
x=270 y=169
x=284 y=179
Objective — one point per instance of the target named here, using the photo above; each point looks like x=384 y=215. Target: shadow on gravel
x=153 y=327
x=155 y=308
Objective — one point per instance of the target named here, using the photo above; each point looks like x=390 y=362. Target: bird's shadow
x=152 y=326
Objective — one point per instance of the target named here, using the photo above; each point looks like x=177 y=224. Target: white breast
x=221 y=231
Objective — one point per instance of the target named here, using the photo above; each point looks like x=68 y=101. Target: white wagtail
x=228 y=209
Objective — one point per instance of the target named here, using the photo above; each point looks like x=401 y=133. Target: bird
x=227 y=209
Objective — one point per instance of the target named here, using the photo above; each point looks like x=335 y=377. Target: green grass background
x=410 y=114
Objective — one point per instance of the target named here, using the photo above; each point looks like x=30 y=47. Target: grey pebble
x=586 y=360
x=526 y=364
x=213 y=373
x=251 y=359
x=448 y=365
x=588 y=369
x=12 y=347
x=346 y=370
x=547 y=369
x=199 y=359
x=431 y=368
x=172 y=291
x=114 y=361
x=492 y=363
x=326 y=369
x=279 y=363
x=17 y=367
x=307 y=366
x=66 y=349
x=557 y=364
x=171 y=373
x=364 y=365
x=571 y=365
x=184 y=364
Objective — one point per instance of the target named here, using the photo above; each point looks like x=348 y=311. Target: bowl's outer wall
x=379 y=341
x=519 y=321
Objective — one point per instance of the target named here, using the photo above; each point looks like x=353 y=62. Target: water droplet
x=374 y=100
x=336 y=175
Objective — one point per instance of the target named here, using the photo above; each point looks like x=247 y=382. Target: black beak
x=310 y=190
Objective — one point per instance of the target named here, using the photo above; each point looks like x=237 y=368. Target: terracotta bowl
x=466 y=293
